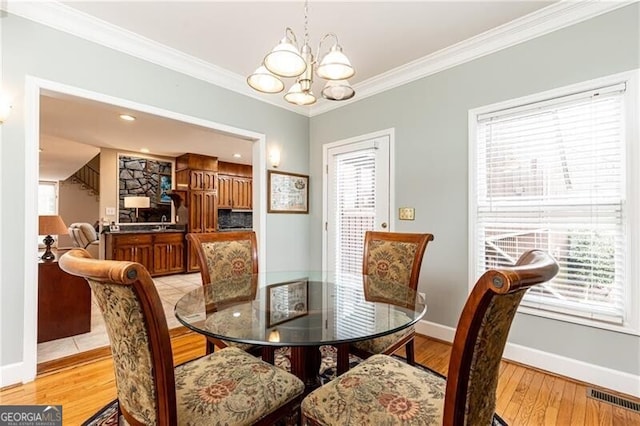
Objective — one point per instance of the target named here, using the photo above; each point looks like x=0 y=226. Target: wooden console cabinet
x=64 y=303
x=161 y=253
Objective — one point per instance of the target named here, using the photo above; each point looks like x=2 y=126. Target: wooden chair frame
x=534 y=267
x=79 y=262
x=421 y=240
x=474 y=363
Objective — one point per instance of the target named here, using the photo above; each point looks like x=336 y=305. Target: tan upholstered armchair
x=84 y=236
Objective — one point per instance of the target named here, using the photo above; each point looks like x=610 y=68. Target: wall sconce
x=274 y=158
x=5 y=107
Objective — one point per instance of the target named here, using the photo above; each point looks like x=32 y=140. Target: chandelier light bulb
x=335 y=65
x=285 y=60
x=263 y=81
x=297 y=96
x=338 y=90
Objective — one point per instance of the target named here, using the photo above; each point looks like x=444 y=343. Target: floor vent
x=612 y=399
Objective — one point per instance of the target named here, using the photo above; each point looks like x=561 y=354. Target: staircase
x=88 y=178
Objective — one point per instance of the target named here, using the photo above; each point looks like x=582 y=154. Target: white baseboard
x=11 y=374
x=596 y=375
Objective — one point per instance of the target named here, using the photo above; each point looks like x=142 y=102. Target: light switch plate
x=110 y=211
x=407 y=213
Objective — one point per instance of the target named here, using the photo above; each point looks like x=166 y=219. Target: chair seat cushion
x=244 y=346
x=231 y=387
x=380 y=345
x=379 y=391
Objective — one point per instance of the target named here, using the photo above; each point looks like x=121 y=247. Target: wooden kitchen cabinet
x=235 y=186
x=242 y=189
x=225 y=191
x=201 y=180
x=203 y=213
x=132 y=248
x=168 y=253
x=198 y=175
x=161 y=253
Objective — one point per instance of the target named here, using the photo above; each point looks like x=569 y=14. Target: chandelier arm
x=324 y=37
x=288 y=31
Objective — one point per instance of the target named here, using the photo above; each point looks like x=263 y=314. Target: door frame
x=34 y=87
x=390 y=133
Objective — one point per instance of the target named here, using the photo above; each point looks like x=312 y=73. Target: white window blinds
x=551 y=175
x=355 y=188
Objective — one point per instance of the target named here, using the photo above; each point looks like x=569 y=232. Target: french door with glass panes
x=358 y=199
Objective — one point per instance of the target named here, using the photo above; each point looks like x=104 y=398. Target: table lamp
x=50 y=225
x=137 y=203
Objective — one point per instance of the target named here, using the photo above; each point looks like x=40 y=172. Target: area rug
x=108 y=415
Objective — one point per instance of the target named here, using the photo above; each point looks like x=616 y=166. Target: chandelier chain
x=306 y=21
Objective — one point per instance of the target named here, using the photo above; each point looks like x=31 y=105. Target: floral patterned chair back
x=138 y=332
x=394 y=257
x=225 y=256
x=228 y=261
x=391 y=261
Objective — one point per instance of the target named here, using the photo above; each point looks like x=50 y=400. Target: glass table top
x=299 y=308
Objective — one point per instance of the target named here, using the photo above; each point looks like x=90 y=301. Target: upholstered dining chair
x=395 y=258
x=228 y=257
x=229 y=386
x=384 y=390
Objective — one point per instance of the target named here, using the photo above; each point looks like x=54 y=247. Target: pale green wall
x=32 y=49
x=430 y=120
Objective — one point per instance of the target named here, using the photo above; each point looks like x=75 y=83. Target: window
x=554 y=172
x=47 y=202
x=47 y=198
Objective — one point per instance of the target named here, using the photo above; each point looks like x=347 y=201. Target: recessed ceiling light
x=237 y=155
x=145 y=150
x=127 y=117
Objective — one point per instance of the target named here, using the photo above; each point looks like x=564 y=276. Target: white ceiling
x=235 y=35
x=73 y=129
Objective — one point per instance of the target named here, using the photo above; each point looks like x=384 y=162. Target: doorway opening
x=35 y=90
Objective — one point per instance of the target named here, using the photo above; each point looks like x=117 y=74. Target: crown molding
x=546 y=20
x=551 y=18
x=67 y=19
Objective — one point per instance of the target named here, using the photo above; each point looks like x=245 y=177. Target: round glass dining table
x=301 y=310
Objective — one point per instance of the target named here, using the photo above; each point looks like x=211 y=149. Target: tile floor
x=170 y=289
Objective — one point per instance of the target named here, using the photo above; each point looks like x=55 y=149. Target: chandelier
x=286 y=60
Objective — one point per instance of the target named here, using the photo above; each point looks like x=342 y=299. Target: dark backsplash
x=230 y=219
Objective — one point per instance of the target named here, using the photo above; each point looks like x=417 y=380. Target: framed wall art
x=287 y=192
x=286 y=301
x=163 y=188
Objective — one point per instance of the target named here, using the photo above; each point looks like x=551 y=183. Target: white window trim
x=632 y=303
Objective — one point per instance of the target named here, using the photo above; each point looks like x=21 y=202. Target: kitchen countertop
x=147 y=231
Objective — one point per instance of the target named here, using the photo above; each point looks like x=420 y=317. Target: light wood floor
x=525 y=396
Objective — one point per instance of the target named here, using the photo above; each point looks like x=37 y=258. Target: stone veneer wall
x=140 y=177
